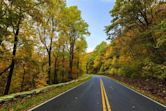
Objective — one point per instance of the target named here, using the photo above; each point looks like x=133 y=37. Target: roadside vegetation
x=136 y=53
x=41 y=43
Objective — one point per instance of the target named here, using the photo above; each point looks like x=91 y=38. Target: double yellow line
x=105 y=102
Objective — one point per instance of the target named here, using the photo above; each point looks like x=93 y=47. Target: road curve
x=88 y=97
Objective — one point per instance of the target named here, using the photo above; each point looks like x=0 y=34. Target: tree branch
x=4 y=70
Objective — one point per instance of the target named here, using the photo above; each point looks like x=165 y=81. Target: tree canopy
x=41 y=43
x=137 y=35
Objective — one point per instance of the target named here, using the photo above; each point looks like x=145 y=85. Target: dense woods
x=41 y=43
x=136 y=53
x=138 y=41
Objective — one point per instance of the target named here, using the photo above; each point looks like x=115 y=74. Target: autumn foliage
x=41 y=43
x=138 y=41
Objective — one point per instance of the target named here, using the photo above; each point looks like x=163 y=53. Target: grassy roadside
x=29 y=102
x=158 y=99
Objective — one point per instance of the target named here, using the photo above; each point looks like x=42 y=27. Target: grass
x=160 y=100
x=29 y=102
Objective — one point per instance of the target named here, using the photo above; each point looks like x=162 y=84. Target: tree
x=75 y=28
x=48 y=33
x=17 y=13
x=81 y=46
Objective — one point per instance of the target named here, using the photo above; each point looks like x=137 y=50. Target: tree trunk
x=33 y=83
x=49 y=67
x=9 y=78
x=23 y=79
x=55 y=71
x=63 y=65
x=87 y=71
x=78 y=67
x=71 y=61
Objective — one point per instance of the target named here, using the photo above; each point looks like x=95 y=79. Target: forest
x=41 y=43
x=46 y=62
x=137 y=47
x=138 y=41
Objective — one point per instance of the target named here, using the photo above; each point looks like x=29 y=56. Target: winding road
x=100 y=94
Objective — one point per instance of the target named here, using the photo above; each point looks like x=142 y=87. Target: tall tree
x=75 y=29
x=80 y=50
x=48 y=34
x=17 y=13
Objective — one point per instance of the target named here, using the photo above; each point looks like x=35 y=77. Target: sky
x=96 y=14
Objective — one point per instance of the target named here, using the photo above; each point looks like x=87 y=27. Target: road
x=100 y=94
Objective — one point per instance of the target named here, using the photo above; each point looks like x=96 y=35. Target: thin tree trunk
x=9 y=78
x=78 y=65
x=71 y=61
x=63 y=64
x=55 y=71
x=49 y=67
x=87 y=71
x=78 y=68
x=33 y=83
x=23 y=79
x=50 y=52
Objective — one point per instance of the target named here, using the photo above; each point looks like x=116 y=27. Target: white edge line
x=56 y=96
x=138 y=92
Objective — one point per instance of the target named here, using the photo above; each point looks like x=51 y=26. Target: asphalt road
x=97 y=93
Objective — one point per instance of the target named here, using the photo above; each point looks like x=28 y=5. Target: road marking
x=57 y=96
x=137 y=92
x=102 y=96
x=105 y=101
x=106 y=97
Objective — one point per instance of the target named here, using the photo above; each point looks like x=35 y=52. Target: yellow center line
x=105 y=101
x=106 y=97
x=102 y=96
